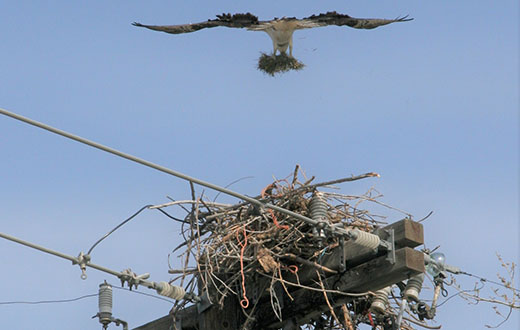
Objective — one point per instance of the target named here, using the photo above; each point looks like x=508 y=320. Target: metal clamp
x=204 y=302
x=391 y=252
x=82 y=261
x=342 y=257
x=389 y=245
x=133 y=280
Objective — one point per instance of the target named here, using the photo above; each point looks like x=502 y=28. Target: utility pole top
x=365 y=271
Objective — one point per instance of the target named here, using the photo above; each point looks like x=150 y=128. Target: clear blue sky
x=431 y=105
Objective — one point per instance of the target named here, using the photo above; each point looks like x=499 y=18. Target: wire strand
x=491 y=281
x=144 y=294
x=47 y=301
x=171 y=216
x=117 y=227
x=130 y=218
x=81 y=297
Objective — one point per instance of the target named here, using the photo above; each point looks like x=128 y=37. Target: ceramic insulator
x=380 y=302
x=105 y=303
x=365 y=239
x=413 y=287
x=172 y=291
x=318 y=207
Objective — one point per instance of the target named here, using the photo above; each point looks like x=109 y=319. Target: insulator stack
x=318 y=207
x=413 y=287
x=318 y=210
x=365 y=239
x=380 y=302
x=105 y=303
x=172 y=291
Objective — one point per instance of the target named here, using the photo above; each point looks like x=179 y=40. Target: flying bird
x=279 y=29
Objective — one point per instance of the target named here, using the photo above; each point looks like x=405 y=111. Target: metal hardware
x=391 y=247
x=204 y=303
x=342 y=257
x=133 y=280
x=82 y=261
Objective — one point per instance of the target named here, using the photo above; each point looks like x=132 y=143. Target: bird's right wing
x=227 y=20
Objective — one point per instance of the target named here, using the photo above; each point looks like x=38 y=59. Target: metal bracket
x=133 y=280
x=424 y=311
x=204 y=303
x=390 y=246
x=342 y=257
x=82 y=261
x=318 y=231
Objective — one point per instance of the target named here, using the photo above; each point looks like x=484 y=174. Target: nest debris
x=272 y=64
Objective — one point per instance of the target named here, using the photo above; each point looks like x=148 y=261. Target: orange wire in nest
x=371 y=319
x=264 y=191
x=271 y=212
x=275 y=221
x=293 y=269
x=244 y=302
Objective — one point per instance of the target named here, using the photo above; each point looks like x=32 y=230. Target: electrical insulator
x=413 y=287
x=380 y=302
x=365 y=239
x=436 y=263
x=318 y=210
x=168 y=290
x=105 y=307
x=105 y=304
x=318 y=207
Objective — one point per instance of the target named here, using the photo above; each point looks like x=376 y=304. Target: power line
x=338 y=230
x=126 y=276
x=76 y=260
x=38 y=302
x=47 y=301
x=482 y=279
x=143 y=293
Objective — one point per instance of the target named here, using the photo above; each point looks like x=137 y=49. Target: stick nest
x=255 y=253
x=272 y=64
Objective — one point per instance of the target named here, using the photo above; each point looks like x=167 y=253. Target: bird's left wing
x=227 y=20
x=333 y=18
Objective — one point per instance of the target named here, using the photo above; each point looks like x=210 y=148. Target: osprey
x=279 y=29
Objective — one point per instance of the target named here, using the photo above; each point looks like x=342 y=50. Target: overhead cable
x=163 y=169
x=482 y=279
x=58 y=301
x=126 y=276
x=47 y=301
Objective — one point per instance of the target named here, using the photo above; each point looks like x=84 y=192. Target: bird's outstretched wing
x=334 y=18
x=227 y=20
x=251 y=22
